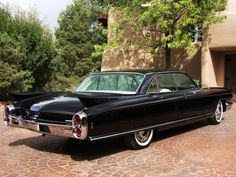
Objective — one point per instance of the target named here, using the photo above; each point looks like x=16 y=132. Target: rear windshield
x=124 y=83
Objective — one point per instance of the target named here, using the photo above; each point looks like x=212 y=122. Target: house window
x=103 y=20
x=197 y=32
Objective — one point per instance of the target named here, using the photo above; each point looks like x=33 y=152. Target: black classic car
x=128 y=104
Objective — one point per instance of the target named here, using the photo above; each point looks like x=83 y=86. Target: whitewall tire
x=140 y=139
x=218 y=115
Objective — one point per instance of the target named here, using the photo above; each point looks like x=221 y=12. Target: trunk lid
x=59 y=107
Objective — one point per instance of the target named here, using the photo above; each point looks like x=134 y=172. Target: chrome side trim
x=94 y=138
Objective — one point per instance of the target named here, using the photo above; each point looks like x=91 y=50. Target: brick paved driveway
x=195 y=150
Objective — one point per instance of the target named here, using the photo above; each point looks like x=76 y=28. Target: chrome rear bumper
x=77 y=129
x=54 y=129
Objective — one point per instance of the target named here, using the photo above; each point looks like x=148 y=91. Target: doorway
x=230 y=73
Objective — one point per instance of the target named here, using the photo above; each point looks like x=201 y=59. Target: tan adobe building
x=213 y=62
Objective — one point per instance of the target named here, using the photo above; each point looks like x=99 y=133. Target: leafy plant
x=26 y=51
x=78 y=33
x=166 y=24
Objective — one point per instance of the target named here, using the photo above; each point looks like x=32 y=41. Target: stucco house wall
x=206 y=63
x=219 y=41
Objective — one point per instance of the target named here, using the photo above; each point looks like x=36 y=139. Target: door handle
x=194 y=92
x=186 y=95
x=162 y=97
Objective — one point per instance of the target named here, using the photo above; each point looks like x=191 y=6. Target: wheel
x=218 y=115
x=139 y=140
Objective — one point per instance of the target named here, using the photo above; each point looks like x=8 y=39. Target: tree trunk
x=168 y=57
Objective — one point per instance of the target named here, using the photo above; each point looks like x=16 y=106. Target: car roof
x=141 y=71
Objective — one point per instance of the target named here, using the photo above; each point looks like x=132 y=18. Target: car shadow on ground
x=93 y=150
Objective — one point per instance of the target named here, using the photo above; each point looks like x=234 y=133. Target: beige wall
x=222 y=35
x=207 y=63
x=190 y=62
x=127 y=58
x=218 y=41
x=219 y=67
x=213 y=68
x=231 y=6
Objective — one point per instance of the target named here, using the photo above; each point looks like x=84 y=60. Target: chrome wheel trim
x=219 y=112
x=143 y=137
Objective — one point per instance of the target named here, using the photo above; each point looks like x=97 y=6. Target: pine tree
x=76 y=36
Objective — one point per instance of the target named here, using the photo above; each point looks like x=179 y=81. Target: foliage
x=26 y=51
x=111 y=3
x=12 y=77
x=76 y=36
x=164 y=23
x=38 y=43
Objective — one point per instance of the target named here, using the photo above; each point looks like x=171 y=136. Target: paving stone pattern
x=194 y=150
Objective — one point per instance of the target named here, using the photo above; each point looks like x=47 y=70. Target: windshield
x=124 y=83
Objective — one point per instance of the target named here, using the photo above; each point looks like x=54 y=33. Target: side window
x=107 y=82
x=166 y=83
x=91 y=83
x=184 y=82
x=127 y=83
x=153 y=87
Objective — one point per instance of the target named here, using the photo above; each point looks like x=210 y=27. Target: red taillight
x=77 y=126
x=78 y=131
x=80 y=125
x=77 y=120
x=9 y=114
x=7 y=119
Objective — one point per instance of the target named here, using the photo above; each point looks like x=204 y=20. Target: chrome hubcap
x=219 y=112
x=143 y=137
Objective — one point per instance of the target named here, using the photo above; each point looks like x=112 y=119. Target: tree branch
x=182 y=12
